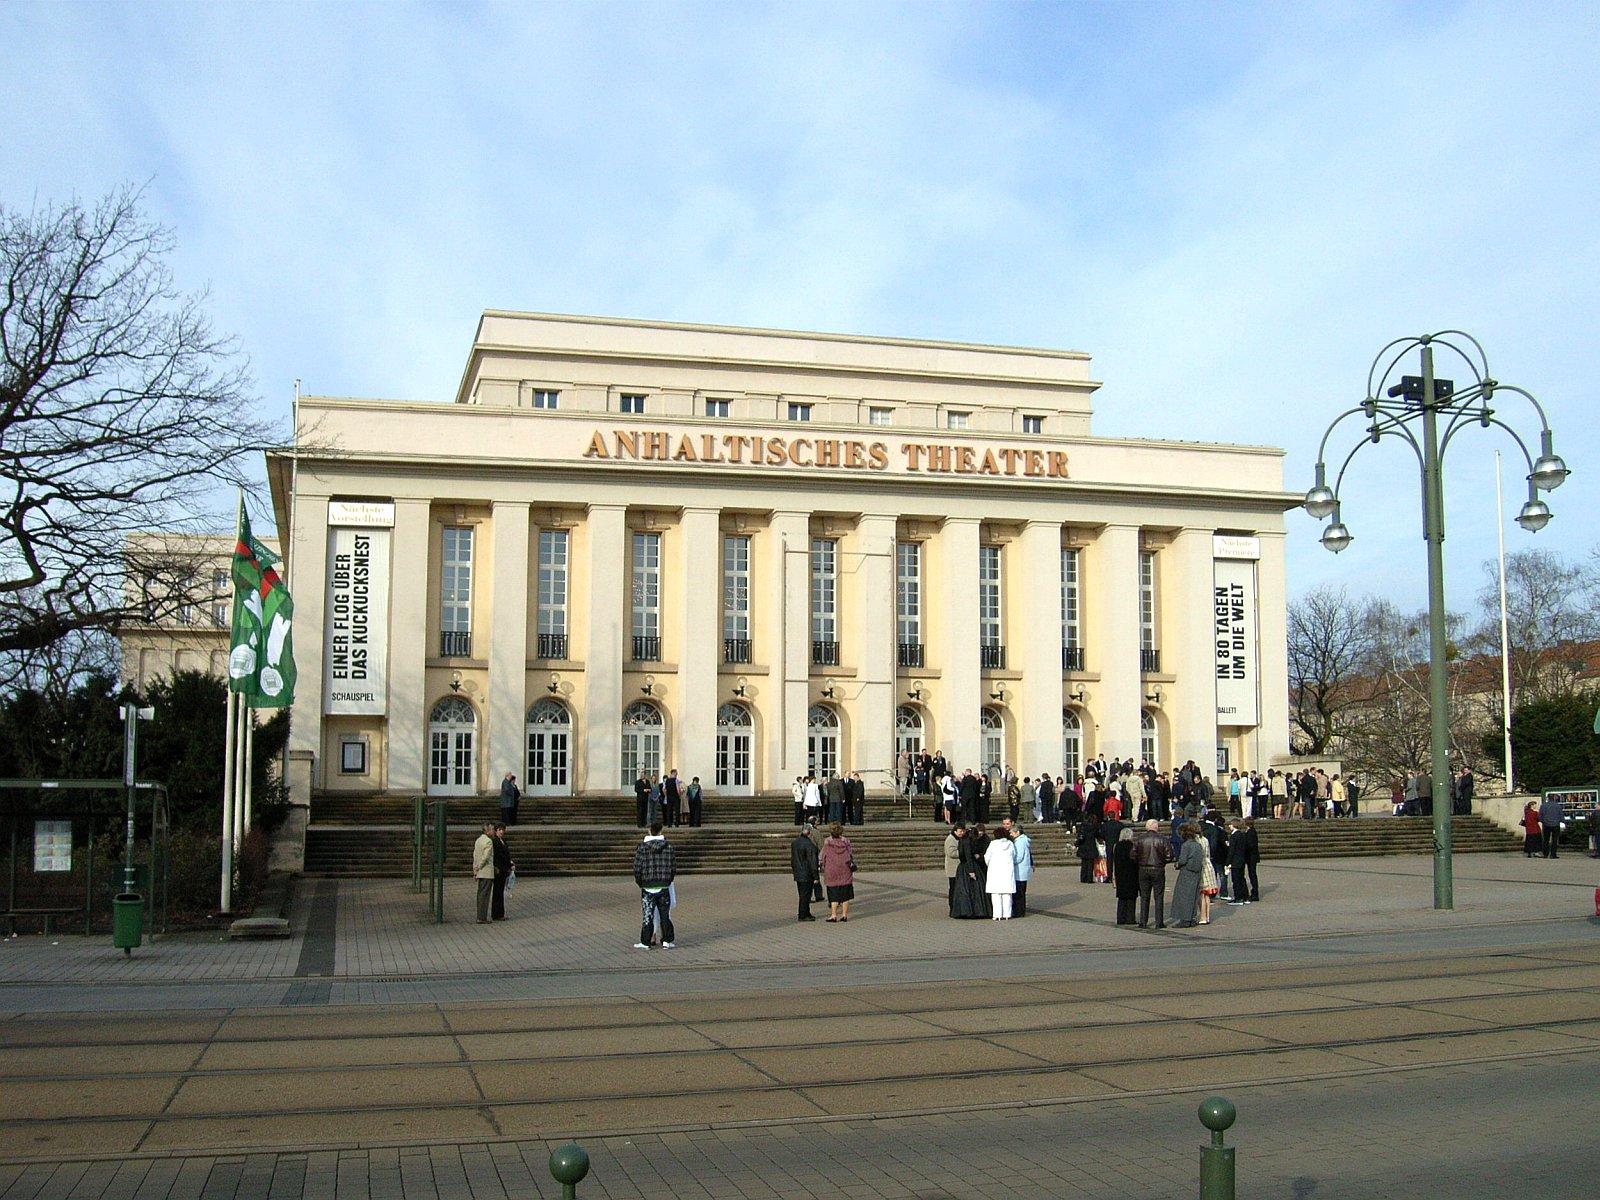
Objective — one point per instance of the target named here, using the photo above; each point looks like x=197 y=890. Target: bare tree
x=1332 y=676
x=120 y=411
x=1550 y=619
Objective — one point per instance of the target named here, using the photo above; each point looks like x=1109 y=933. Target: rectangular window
x=1071 y=613
x=185 y=613
x=799 y=412
x=1032 y=424
x=544 y=399
x=958 y=420
x=736 y=596
x=552 y=593
x=646 y=588
x=353 y=756
x=824 y=596
x=717 y=408
x=880 y=416
x=1147 y=600
x=455 y=585
x=908 y=593
x=990 y=633
x=632 y=402
x=221 y=581
x=220 y=616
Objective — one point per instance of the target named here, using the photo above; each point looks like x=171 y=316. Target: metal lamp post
x=1412 y=409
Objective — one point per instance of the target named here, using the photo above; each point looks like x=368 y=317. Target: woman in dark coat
x=1086 y=850
x=1191 y=870
x=970 y=899
x=1125 y=873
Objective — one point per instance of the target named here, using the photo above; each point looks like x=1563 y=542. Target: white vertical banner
x=355 y=651
x=1236 y=655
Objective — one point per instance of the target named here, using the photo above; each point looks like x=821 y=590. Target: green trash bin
x=127 y=921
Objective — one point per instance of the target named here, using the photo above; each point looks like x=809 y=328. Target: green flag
x=261 y=661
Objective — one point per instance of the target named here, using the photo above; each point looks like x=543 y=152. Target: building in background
x=751 y=554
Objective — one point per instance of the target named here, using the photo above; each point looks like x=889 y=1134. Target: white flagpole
x=1505 y=641
x=227 y=808
x=238 y=779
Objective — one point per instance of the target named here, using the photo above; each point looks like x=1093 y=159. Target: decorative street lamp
x=1411 y=409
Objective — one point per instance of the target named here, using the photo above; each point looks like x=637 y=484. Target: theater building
x=748 y=554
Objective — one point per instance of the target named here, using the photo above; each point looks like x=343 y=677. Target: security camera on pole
x=261 y=674
x=1411 y=410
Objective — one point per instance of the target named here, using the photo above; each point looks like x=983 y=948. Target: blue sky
x=1231 y=207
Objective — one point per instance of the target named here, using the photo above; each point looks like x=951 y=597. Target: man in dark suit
x=805 y=865
x=833 y=798
x=641 y=800
x=970 y=794
x=1252 y=857
x=671 y=797
x=857 y=799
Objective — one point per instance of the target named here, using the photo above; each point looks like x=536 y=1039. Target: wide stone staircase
x=371 y=837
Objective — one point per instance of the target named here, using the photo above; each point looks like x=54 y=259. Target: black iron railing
x=824 y=654
x=992 y=658
x=455 y=643
x=910 y=654
x=646 y=648
x=1150 y=661
x=1072 y=658
x=735 y=650
x=552 y=645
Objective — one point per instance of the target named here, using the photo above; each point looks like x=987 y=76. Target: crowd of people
x=834 y=798
x=667 y=800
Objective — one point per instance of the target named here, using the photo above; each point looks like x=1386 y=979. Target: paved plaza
x=1374 y=1047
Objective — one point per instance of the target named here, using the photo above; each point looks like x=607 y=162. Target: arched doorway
x=734 y=735
x=822 y=741
x=641 y=742
x=452 y=748
x=549 y=730
x=993 y=747
x=1071 y=744
x=909 y=734
x=1148 y=745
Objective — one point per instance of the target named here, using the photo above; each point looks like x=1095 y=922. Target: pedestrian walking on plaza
x=503 y=867
x=1000 y=861
x=806 y=867
x=838 y=872
x=509 y=795
x=1125 y=876
x=1532 y=834
x=1022 y=850
x=1550 y=815
x=655 y=866
x=483 y=870
x=1152 y=852
x=952 y=861
x=1192 y=862
x=695 y=799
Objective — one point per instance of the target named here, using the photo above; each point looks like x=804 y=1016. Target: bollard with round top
x=1216 y=1160
x=569 y=1164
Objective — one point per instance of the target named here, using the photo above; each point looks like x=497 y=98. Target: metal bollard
x=570 y=1163
x=1216 y=1160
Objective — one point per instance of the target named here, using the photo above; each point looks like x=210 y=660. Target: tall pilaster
x=875 y=656
x=1187 y=637
x=508 y=641
x=701 y=615
x=601 y=736
x=788 y=646
x=410 y=593
x=1035 y=586
x=1113 y=612
x=960 y=693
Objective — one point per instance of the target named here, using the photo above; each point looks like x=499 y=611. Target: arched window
x=993 y=729
x=1147 y=737
x=908 y=731
x=549 y=741
x=734 y=750
x=641 y=742
x=822 y=741
x=1071 y=744
x=452 y=748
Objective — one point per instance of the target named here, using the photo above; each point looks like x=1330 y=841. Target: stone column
x=787 y=642
x=1187 y=638
x=960 y=693
x=873 y=600
x=1035 y=580
x=508 y=643
x=700 y=607
x=411 y=591
x=1112 y=603
x=1272 y=645
x=607 y=592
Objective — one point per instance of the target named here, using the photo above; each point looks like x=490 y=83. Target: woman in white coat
x=1000 y=859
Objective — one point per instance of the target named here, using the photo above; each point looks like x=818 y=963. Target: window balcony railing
x=824 y=654
x=455 y=643
x=646 y=648
x=735 y=650
x=552 y=645
x=911 y=654
x=1150 y=661
x=1072 y=658
x=992 y=658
